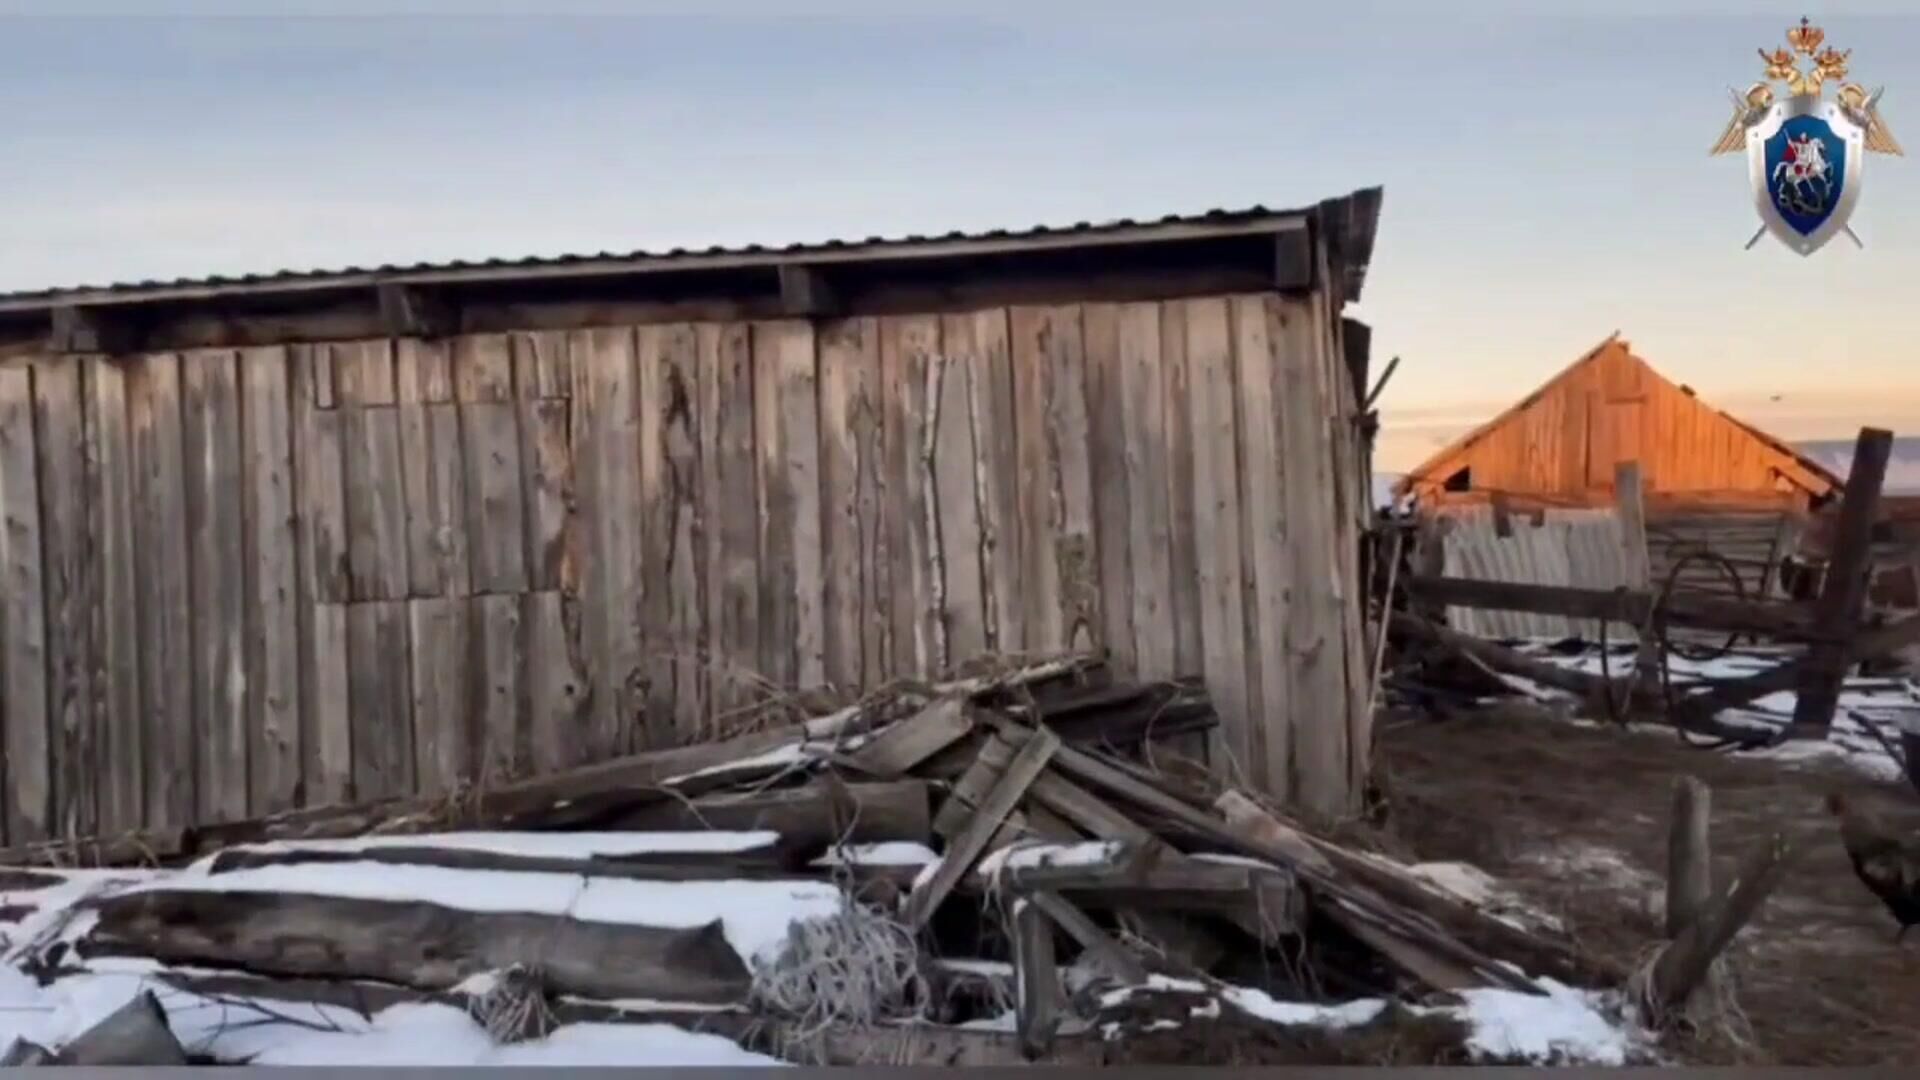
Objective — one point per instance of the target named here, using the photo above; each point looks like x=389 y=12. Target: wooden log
x=1845 y=589
x=1587 y=687
x=1037 y=983
x=1316 y=860
x=420 y=945
x=816 y=815
x=1689 y=857
x=1684 y=963
x=915 y=1043
x=774 y=861
x=134 y=1034
x=1411 y=936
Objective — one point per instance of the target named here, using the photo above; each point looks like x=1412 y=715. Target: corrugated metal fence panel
x=1575 y=548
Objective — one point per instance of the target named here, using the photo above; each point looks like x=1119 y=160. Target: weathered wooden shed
x=309 y=537
x=1724 y=500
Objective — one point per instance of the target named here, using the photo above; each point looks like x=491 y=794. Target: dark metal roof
x=1353 y=216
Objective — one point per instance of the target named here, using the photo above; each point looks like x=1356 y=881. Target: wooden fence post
x=1837 y=612
x=1689 y=855
x=1701 y=923
x=1630 y=503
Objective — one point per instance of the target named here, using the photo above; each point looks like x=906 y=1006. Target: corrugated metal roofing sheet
x=1576 y=548
x=1359 y=224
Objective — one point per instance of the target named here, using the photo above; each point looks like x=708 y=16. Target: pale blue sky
x=1546 y=175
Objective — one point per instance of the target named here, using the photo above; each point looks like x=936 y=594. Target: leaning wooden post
x=1630 y=503
x=1910 y=749
x=1036 y=979
x=1686 y=961
x=1689 y=856
x=1837 y=612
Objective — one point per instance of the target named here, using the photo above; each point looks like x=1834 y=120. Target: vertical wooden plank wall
x=242 y=580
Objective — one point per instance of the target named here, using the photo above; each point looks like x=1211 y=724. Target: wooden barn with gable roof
x=1559 y=445
x=1712 y=482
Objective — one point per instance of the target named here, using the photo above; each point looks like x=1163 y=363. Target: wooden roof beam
x=805 y=292
x=78 y=329
x=408 y=311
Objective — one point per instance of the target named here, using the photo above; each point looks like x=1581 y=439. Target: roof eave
x=1356 y=214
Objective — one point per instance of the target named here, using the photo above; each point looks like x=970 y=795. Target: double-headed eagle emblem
x=1805 y=152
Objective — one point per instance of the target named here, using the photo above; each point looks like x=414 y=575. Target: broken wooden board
x=895 y=749
x=1109 y=954
x=971 y=842
x=1038 y=992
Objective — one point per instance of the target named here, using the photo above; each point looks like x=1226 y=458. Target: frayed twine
x=855 y=968
x=514 y=1009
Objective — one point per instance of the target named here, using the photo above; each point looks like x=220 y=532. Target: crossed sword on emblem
x=1741 y=103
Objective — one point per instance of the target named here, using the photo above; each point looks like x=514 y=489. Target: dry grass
x=1575 y=820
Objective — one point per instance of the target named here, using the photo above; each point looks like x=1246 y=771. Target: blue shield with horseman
x=1806 y=162
x=1804 y=151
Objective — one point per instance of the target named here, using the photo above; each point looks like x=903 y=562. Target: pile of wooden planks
x=1059 y=838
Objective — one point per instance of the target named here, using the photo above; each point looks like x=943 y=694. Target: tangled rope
x=854 y=968
x=514 y=1009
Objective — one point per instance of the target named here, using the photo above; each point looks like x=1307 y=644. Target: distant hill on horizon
x=1903 y=470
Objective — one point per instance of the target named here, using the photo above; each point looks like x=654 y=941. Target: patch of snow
x=888 y=853
x=1596 y=863
x=1564 y=1026
x=1006 y=1023
x=925 y=876
x=54 y=912
x=1468 y=882
x=284 y=1033
x=755 y=915
x=479 y=983
x=1561 y=1026
x=1120 y=995
x=985 y=968
x=1886 y=703
x=1259 y=1004
x=1028 y=855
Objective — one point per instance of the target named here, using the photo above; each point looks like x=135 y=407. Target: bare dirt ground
x=1574 y=819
